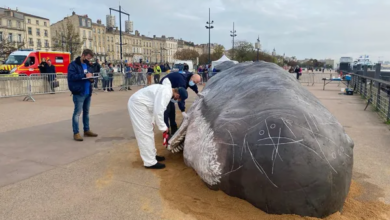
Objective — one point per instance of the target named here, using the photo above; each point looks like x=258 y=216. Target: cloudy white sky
x=302 y=28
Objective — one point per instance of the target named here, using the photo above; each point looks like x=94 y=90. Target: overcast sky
x=302 y=28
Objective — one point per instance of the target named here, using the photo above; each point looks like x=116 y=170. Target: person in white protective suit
x=146 y=108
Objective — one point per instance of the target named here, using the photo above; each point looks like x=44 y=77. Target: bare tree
x=7 y=46
x=67 y=38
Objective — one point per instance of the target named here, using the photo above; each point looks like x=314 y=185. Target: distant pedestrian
x=110 y=73
x=82 y=92
x=43 y=65
x=149 y=73
x=96 y=70
x=128 y=75
x=157 y=73
x=298 y=71
x=51 y=76
x=105 y=79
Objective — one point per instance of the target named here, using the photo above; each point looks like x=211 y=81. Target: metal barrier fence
x=313 y=78
x=29 y=86
x=375 y=91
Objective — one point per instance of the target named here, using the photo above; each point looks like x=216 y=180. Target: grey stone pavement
x=44 y=174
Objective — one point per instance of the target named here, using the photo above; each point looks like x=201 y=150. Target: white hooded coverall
x=147 y=106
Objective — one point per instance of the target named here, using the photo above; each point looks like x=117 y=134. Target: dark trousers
x=297 y=75
x=156 y=78
x=170 y=116
x=204 y=76
x=110 y=82
x=96 y=80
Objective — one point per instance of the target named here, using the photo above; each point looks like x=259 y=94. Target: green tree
x=218 y=51
x=186 y=54
x=68 y=39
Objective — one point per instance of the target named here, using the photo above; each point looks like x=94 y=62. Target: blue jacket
x=180 y=80
x=76 y=74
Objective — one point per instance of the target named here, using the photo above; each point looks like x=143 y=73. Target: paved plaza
x=44 y=174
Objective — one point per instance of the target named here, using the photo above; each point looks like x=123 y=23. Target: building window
x=1 y=36
x=90 y=44
x=19 y=24
x=89 y=23
x=19 y=38
x=39 y=43
x=83 y=22
x=29 y=31
x=98 y=31
x=89 y=34
x=94 y=30
x=10 y=37
x=9 y=23
x=47 y=44
x=29 y=21
x=46 y=33
x=84 y=34
x=38 y=32
x=30 y=42
x=85 y=43
x=37 y=22
x=45 y=23
x=112 y=39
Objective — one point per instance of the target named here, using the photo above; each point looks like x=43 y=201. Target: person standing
x=157 y=72
x=103 y=73
x=149 y=75
x=146 y=108
x=96 y=71
x=43 y=65
x=110 y=74
x=177 y=79
x=51 y=75
x=297 y=71
x=81 y=89
x=128 y=75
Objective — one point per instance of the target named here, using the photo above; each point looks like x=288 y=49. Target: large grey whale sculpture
x=255 y=133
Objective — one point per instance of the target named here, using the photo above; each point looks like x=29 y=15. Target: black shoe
x=160 y=158
x=156 y=166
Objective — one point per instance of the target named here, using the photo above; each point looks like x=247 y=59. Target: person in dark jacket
x=42 y=66
x=96 y=71
x=149 y=75
x=81 y=89
x=179 y=80
x=51 y=75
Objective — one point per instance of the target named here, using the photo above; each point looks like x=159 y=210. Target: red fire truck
x=26 y=62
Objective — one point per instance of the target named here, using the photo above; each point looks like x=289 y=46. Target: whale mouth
x=176 y=142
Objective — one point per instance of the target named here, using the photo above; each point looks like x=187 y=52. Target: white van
x=178 y=64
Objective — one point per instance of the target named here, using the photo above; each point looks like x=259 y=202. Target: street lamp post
x=233 y=34
x=257 y=45
x=209 y=26
x=120 y=30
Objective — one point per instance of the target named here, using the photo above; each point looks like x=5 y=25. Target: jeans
x=81 y=103
x=157 y=78
x=110 y=79
x=105 y=83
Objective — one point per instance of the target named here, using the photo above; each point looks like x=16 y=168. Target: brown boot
x=89 y=134
x=77 y=137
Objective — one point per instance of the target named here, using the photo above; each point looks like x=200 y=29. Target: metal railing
x=375 y=91
x=29 y=86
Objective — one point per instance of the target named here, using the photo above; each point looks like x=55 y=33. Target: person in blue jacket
x=81 y=89
x=179 y=80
